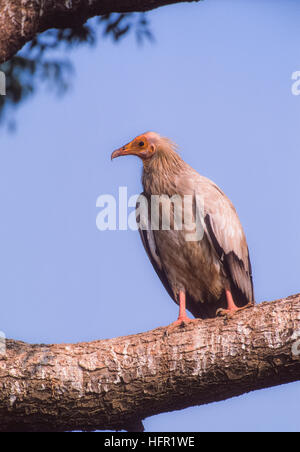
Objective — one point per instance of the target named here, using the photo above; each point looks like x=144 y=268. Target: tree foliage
x=44 y=60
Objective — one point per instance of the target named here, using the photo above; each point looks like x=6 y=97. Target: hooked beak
x=118 y=152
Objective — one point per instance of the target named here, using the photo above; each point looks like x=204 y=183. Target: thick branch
x=20 y=20
x=115 y=383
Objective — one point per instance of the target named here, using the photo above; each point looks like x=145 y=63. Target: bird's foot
x=229 y=313
x=226 y=313
x=181 y=322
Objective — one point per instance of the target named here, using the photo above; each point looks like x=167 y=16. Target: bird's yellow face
x=142 y=146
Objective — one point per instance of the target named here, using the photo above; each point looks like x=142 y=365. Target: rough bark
x=20 y=20
x=115 y=383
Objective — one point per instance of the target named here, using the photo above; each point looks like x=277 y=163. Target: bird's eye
x=141 y=143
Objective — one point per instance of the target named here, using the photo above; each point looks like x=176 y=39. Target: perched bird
x=210 y=275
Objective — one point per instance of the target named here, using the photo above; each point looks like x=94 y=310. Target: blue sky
x=217 y=81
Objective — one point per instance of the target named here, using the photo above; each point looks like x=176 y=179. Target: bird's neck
x=159 y=172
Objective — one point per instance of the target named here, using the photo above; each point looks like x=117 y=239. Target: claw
x=181 y=322
x=229 y=313
x=178 y=322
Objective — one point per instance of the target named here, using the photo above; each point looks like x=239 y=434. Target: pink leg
x=231 y=306
x=182 y=317
x=230 y=302
x=182 y=305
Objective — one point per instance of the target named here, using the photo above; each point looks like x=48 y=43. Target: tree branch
x=21 y=20
x=115 y=383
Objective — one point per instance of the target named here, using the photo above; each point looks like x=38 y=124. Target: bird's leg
x=182 y=317
x=182 y=306
x=231 y=306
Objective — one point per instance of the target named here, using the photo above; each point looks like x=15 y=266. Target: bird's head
x=144 y=146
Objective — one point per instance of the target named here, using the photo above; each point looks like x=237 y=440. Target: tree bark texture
x=21 y=20
x=116 y=383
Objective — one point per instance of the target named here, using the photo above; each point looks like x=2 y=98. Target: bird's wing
x=225 y=232
x=149 y=243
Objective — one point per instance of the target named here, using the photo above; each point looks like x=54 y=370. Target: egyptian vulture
x=208 y=273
